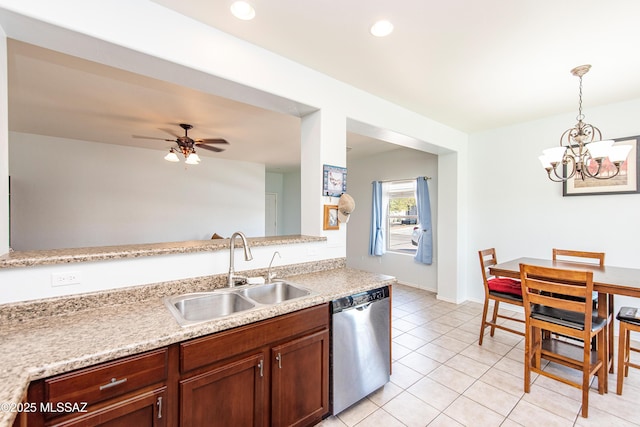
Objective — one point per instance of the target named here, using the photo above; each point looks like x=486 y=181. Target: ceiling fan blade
x=151 y=137
x=169 y=131
x=207 y=147
x=211 y=141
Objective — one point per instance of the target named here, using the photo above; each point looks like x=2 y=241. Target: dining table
x=607 y=281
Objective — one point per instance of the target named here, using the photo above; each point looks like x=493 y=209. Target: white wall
x=22 y=284
x=4 y=147
x=100 y=31
x=516 y=209
x=68 y=193
x=402 y=163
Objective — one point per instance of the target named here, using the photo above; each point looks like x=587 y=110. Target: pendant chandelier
x=582 y=153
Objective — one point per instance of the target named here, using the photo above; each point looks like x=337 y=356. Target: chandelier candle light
x=582 y=151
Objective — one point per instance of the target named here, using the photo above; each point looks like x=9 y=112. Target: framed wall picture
x=331 y=217
x=334 y=180
x=626 y=182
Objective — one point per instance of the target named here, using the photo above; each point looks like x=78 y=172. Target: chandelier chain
x=580 y=115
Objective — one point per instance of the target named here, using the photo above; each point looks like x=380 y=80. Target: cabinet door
x=229 y=395
x=140 y=410
x=300 y=380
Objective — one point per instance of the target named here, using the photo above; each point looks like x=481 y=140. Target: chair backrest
x=572 y=255
x=487 y=259
x=558 y=289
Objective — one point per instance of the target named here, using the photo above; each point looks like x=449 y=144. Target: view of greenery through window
x=402 y=217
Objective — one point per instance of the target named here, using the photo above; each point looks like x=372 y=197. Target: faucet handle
x=271 y=276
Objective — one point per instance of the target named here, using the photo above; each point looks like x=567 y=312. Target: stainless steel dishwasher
x=360 y=340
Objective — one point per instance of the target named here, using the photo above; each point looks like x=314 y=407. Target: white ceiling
x=469 y=64
x=67 y=97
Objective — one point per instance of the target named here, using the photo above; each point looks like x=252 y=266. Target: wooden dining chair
x=629 y=318
x=571 y=255
x=497 y=289
x=557 y=300
x=595 y=258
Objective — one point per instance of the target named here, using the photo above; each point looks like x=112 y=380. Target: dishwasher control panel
x=360 y=299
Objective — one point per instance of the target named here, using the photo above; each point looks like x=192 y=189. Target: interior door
x=271 y=214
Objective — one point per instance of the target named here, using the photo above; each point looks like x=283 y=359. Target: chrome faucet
x=231 y=282
x=270 y=276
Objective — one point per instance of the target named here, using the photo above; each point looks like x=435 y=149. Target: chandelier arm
x=597 y=175
x=556 y=174
x=587 y=161
x=565 y=162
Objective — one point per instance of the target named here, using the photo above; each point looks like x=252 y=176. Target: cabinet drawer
x=214 y=348
x=107 y=380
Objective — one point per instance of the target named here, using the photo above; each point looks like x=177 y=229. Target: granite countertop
x=101 y=253
x=43 y=346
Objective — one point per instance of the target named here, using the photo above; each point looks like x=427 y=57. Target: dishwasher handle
x=362 y=307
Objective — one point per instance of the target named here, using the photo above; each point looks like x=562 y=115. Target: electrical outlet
x=66 y=278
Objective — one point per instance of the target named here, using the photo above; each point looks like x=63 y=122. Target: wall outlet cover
x=66 y=278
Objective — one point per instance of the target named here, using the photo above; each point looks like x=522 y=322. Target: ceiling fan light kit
x=192 y=159
x=187 y=146
x=172 y=156
x=580 y=145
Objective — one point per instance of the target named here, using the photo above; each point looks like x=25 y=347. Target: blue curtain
x=376 y=236
x=424 y=254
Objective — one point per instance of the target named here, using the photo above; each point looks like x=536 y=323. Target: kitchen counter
x=102 y=253
x=42 y=346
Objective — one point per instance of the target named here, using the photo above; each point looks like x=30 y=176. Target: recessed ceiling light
x=382 y=28
x=243 y=10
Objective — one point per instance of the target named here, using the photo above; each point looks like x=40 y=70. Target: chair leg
x=586 y=376
x=627 y=349
x=527 y=362
x=622 y=353
x=483 y=323
x=494 y=318
x=585 y=392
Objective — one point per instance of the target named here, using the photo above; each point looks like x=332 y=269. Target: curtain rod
x=407 y=179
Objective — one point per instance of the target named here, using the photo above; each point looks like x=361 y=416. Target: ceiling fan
x=186 y=145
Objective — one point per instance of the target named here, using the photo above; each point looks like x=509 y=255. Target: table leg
x=610 y=318
x=605 y=310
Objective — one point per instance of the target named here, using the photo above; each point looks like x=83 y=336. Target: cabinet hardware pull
x=160 y=407
x=261 y=365
x=113 y=383
x=279 y=359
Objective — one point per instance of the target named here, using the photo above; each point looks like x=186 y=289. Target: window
x=402 y=217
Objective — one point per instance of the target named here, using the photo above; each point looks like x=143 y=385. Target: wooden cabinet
x=127 y=392
x=229 y=395
x=138 y=410
x=270 y=373
x=300 y=380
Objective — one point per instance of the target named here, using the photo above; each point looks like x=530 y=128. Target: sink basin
x=274 y=293
x=199 y=307
x=193 y=308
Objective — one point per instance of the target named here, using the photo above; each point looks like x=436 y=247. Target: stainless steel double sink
x=199 y=307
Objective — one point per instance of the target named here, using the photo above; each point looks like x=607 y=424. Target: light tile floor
x=441 y=377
